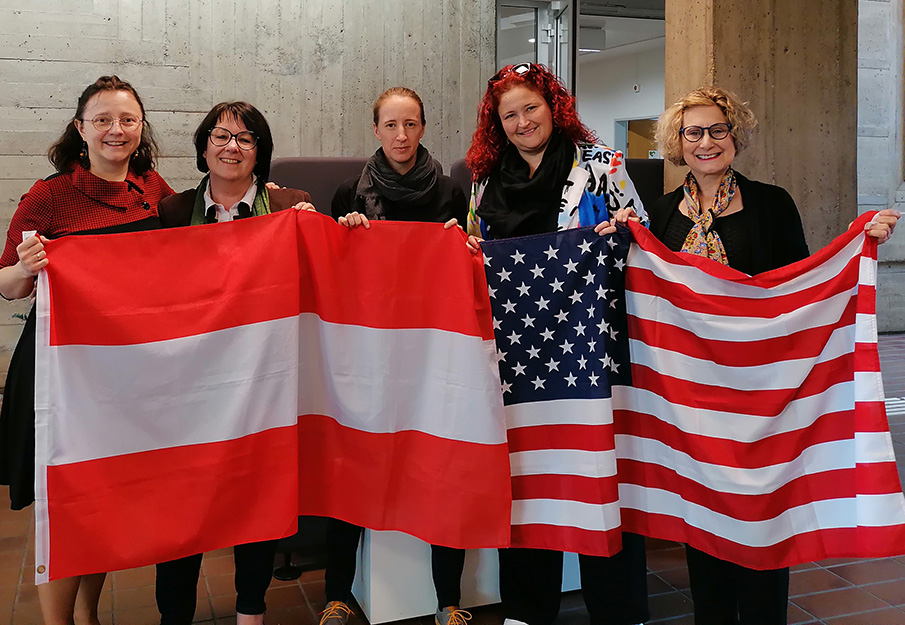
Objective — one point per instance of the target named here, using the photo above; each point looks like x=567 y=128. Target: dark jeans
x=614 y=588
x=728 y=594
x=177 y=582
x=342 y=544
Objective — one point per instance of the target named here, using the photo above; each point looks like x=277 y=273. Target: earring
x=84 y=151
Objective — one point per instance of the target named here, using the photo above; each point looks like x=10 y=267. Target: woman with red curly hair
x=537 y=170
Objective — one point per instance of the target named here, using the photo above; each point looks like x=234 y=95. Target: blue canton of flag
x=558 y=304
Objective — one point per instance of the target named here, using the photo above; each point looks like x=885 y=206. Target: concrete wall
x=314 y=68
x=881 y=140
x=605 y=82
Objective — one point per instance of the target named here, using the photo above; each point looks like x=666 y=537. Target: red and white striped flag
x=755 y=429
x=202 y=387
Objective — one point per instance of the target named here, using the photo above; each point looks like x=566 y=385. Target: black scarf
x=514 y=204
x=379 y=181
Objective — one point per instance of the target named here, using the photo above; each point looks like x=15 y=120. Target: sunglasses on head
x=519 y=70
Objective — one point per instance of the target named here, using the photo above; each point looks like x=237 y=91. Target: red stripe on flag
x=804 y=344
x=767 y=451
x=595 y=490
x=766 y=403
x=769 y=279
x=201 y=495
x=646 y=282
x=406 y=480
x=178 y=287
x=561 y=436
x=344 y=276
x=571 y=539
x=828 y=485
x=867 y=301
x=860 y=542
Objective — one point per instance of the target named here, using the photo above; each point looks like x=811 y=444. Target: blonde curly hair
x=737 y=113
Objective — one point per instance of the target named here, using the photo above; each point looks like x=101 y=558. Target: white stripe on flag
x=705 y=284
x=865 y=328
x=565 y=513
x=868 y=386
x=829 y=456
x=798 y=414
x=560 y=412
x=783 y=374
x=818 y=515
x=871 y=447
x=737 y=329
x=215 y=387
x=564 y=462
x=368 y=378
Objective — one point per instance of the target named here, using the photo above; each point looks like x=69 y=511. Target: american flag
x=755 y=427
x=748 y=420
x=560 y=326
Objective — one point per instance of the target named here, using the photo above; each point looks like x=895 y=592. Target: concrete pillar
x=795 y=63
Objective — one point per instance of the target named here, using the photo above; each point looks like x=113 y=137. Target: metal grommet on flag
x=41 y=569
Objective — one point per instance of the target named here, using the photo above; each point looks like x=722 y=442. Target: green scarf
x=261 y=205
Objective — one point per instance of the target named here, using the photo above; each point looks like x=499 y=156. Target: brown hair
x=737 y=113
x=403 y=92
x=68 y=149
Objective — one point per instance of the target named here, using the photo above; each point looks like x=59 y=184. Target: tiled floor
x=838 y=592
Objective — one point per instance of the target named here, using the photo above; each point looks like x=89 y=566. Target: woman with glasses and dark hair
x=233 y=146
x=400 y=182
x=537 y=169
x=750 y=226
x=105 y=183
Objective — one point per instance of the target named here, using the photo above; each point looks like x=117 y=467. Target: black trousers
x=614 y=588
x=177 y=582
x=728 y=594
x=342 y=545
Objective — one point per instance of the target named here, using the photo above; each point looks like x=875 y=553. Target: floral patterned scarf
x=701 y=239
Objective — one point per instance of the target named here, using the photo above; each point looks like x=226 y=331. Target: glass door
x=538 y=32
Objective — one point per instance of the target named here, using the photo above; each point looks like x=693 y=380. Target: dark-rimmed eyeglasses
x=103 y=123
x=694 y=134
x=519 y=70
x=220 y=137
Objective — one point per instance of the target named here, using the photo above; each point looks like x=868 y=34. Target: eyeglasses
x=519 y=70
x=220 y=137
x=103 y=123
x=694 y=134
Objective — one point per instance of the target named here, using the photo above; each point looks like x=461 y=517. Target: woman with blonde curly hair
x=752 y=227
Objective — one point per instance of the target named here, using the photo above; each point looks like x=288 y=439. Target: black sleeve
x=459 y=205
x=344 y=199
x=789 y=222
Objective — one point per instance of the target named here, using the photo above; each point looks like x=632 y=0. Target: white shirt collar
x=224 y=214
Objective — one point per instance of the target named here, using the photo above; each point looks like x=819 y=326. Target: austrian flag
x=202 y=387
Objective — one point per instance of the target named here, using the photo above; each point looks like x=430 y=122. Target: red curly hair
x=489 y=139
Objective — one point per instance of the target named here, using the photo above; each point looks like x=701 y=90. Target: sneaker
x=336 y=613
x=451 y=615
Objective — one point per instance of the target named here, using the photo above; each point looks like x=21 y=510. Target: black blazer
x=176 y=210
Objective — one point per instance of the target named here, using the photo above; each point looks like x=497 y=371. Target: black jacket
x=447 y=201
x=769 y=222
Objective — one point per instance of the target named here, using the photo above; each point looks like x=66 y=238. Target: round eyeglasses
x=220 y=137
x=694 y=134
x=103 y=123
